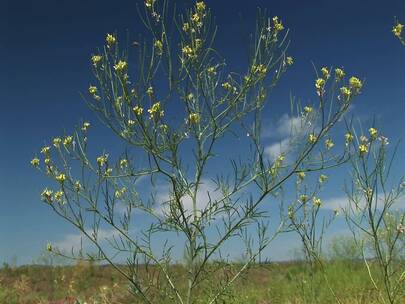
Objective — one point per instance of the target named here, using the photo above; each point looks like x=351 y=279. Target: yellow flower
x=195 y=18
x=58 y=196
x=259 y=69
x=35 y=162
x=120 y=66
x=92 y=90
x=349 y=137
x=108 y=172
x=159 y=47
x=227 y=86
x=123 y=163
x=200 y=6
x=301 y=175
x=397 y=29
x=373 y=133
x=96 y=59
x=186 y=27
x=49 y=247
x=308 y=110
x=312 y=138
x=45 y=150
x=319 y=84
x=61 y=178
x=345 y=91
x=188 y=51
x=156 y=110
x=194 y=118
x=68 y=141
x=137 y=110
x=289 y=60
x=339 y=73
x=317 y=202
x=363 y=149
x=47 y=161
x=131 y=122
x=149 y=91
x=325 y=73
x=212 y=70
x=329 y=144
x=303 y=198
x=56 y=142
x=110 y=39
x=278 y=25
x=355 y=83
x=149 y=3
x=101 y=160
x=323 y=178
x=46 y=195
x=85 y=126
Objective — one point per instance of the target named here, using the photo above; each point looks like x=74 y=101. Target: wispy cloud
x=207 y=191
x=78 y=240
x=284 y=131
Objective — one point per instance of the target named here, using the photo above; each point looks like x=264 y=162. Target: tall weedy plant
x=163 y=194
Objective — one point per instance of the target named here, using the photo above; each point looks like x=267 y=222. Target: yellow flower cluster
x=95 y=59
x=319 y=84
x=278 y=25
x=227 y=86
x=329 y=144
x=60 y=178
x=349 y=138
x=58 y=196
x=363 y=149
x=200 y=6
x=194 y=118
x=68 y=141
x=121 y=66
x=397 y=29
x=317 y=202
x=137 y=110
x=323 y=178
x=373 y=133
x=45 y=150
x=86 y=126
x=119 y=193
x=325 y=73
x=93 y=91
x=46 y=195
x=149 y=3
x=355 y=83
x=301 y=175
x=159 y=47
x=289 y=61
x=101 y=160
x=188 y=51
x=123 y=163
x=308 y=110
x=110 y=39
x=155 y=110
x=345 y=92
x=303 y=198
x=312 y=138
x=339 y=74
x=56 y=142
x=260 y=70
x=35 y=162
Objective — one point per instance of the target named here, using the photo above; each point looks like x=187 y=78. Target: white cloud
x=207 y=190
x=286 y=129
x=78 y=240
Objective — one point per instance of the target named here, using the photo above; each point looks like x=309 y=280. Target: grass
x=267 y=284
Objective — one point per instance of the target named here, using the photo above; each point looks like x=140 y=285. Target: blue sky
x=45 y=48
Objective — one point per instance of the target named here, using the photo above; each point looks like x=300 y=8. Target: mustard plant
x=187 y=205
